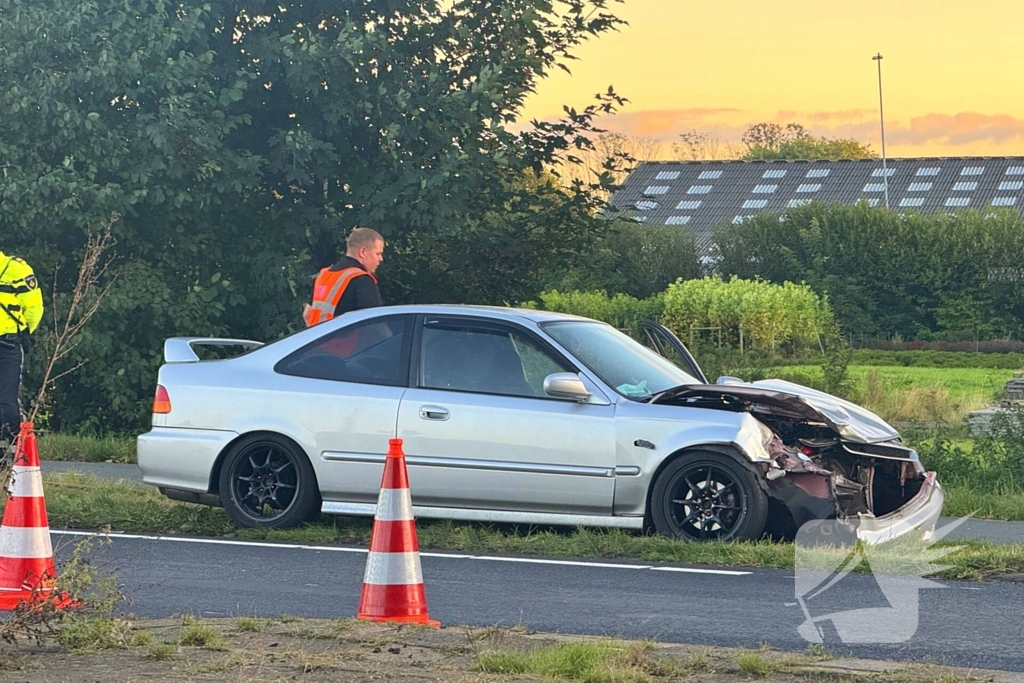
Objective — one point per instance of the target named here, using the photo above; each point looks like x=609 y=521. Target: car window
x=371 y=352
x=490 y=360
x=631 y=368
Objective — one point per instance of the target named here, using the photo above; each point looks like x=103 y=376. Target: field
x=905 y=393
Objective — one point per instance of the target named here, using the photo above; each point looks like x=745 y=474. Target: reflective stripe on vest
x=328 y=289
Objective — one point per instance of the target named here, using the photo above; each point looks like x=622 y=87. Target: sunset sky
x=952 y=73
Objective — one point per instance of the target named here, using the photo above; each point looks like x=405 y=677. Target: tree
x=773 y=141
x=610 y=152
x=240 y=142
x=697 y=145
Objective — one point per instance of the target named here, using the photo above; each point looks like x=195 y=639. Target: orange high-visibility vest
x=328 y=289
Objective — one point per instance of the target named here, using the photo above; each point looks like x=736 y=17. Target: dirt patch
x=286 y=649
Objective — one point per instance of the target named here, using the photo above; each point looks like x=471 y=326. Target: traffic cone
x=393 y=582
x=27 y=572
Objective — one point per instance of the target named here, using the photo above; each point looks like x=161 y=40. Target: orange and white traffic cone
x=393 y=583
x=27 y=572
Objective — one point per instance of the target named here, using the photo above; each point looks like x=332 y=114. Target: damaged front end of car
x=829 y=459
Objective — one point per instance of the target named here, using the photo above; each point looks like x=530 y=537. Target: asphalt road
x=977 y=529
x=962 y=624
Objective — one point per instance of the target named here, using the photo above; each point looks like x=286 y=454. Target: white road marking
x=337 y=549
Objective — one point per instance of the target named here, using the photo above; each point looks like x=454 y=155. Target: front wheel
x=266 y=482
x=708 y=496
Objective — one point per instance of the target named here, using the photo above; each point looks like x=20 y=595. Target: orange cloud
x=960 y=129
x=964 y=133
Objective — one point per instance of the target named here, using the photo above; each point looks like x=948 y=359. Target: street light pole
x=881 y=116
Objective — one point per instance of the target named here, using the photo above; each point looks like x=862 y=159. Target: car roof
x=501 y=312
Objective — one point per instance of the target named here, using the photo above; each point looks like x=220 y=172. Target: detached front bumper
x=918 y=516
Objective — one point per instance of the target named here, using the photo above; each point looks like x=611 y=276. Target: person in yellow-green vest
x=21 y=308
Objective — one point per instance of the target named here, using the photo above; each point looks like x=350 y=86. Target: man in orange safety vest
x=350 y=284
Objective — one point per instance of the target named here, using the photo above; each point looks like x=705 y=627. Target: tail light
x=162 y=401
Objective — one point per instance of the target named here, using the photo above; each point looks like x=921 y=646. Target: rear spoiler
x=180 y=349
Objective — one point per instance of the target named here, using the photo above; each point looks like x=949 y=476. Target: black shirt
x=361 y=291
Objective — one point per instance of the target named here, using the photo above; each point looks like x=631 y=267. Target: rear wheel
x=266 y=481
x=709 y=496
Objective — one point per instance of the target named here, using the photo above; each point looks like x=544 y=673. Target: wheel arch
x=727 y=450
x=214 y=483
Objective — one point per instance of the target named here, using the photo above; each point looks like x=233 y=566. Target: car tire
x=709 y=496
x=267 y=482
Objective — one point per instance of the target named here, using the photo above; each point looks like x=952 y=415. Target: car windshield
x=635 y=371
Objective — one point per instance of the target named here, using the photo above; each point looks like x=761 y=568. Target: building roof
x=702 y=194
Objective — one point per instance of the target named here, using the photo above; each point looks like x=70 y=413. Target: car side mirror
x=726 y=379
x=566 y=385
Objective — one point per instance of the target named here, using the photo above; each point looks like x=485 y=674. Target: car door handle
x=434 y=413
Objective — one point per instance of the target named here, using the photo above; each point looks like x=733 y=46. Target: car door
x=345 y=388
x=660 y=339
x=480 y=432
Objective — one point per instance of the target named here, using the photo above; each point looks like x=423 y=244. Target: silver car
x=525 y=416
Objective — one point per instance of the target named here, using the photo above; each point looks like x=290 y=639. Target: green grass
x=86 y=448
x=87 y=502
x=913 y=393
x=753 y=664
x=588 y=662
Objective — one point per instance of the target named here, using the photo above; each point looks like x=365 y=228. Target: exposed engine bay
x=816 y=470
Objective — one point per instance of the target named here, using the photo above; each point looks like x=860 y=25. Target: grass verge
x=318 y=651
x=82 y=501
x=86 y=448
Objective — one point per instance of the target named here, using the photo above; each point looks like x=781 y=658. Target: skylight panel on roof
x=699 y=189
x=737 y=220
x=873 y=187
x=1004 y=201
x=878 y=172
x=755 y=203
x=646 y=205
x=818 y=173
x=793 y=203
x=809 y=187
x=874 y=201
x=958 y=201
x=965 y=187
x=912 y=201
x=765 y=189
x=667 y=175
x=919 y=187
x=972 y=170
x=1015 y=170
x=688 y=205
x=928 y=170
x=677 y=220
x=774 y=173
x=640 y=219
x=1010 y=185
x=655 y=190
x=709 y=175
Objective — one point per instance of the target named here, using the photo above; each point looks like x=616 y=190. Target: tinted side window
x=484 y=360
x=372 y=352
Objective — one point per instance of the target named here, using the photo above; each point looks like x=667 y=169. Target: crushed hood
x=787 y=399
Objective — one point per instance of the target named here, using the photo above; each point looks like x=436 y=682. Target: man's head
x=366 y=246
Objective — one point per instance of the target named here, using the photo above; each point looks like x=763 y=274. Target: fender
x=747 y=435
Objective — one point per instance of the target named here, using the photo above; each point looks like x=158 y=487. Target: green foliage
x=943 y=276
x=938 y=359
x=769 y=315
x=200 y=635
x=634 y=259
x=774 y=142
x=239 y=147
x=595 y=662
x=753 y=664
x=621 y=310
